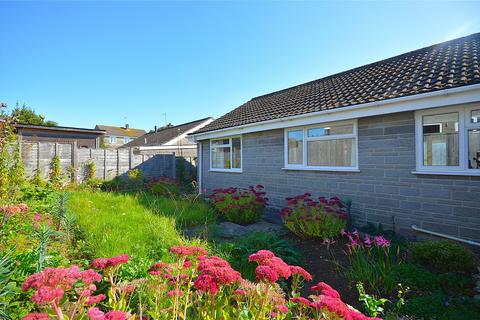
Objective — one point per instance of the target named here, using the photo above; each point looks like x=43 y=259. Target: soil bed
x=321 y=263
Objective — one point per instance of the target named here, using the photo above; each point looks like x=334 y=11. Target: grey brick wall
x=385 y=191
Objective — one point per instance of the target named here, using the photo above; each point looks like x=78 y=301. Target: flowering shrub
x=195 y=286
x=371 y=259
x=240 y=206
x=314 y=219
x=163 y=186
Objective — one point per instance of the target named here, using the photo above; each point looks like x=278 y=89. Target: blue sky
x=87 y=63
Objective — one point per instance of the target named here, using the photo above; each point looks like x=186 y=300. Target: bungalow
x=399 y=137
x=169 y=139
x=118 y=136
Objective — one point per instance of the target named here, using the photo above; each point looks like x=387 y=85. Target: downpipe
x=438 y=234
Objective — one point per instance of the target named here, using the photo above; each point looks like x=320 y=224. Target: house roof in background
x=165 y=135
x=58 y=128
x=442 y=66
x=120 y=131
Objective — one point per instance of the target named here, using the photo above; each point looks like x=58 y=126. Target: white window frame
x=234 y=170
x=464 y=124
x=113 y=139
x=304 y=129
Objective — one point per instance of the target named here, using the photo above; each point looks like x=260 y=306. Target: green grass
x=186 y=210
x=114 y=224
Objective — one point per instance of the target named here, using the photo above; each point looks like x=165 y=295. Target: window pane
x=440 y=140
x=237 y=153
x=221 y=158
x=474 y=149
x=220 y=142
x=331 y=153
x=331 y=130
x=475 y=116
x=295 y=147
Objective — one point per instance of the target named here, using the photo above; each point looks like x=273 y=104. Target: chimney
x=155 y=129
x=127 y=126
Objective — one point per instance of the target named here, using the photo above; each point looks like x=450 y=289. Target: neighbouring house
x=83 y=137
x=170 y=139
x=399 y=137
x=118 y=136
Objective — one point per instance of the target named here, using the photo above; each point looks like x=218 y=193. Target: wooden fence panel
x=108 y=163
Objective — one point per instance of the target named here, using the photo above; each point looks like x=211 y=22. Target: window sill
x=226 y=170
x=322 y=169
x=447 y=173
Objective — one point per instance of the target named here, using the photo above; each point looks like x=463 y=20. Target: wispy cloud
x=463 y=30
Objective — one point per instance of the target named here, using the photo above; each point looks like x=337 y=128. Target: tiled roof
x=120 y=131
x=446 y=65
x=164 y=135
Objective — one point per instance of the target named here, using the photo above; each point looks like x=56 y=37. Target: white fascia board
x=163 y=147
x=175 y=140
x=447 y=97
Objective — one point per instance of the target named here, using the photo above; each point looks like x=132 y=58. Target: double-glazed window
x=226 y=154
x=448 y=140
x=322 y=147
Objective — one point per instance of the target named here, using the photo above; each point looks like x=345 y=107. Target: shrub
x=370 y=261
x=239 y=250
x=163 y=186
x=314 y=219
x=193 y=286
x=240 y=206
x=56 y=170
x=442 y=256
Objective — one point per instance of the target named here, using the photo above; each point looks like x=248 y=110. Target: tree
x=26 y=115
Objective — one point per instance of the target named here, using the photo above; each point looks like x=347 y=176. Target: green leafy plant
x=370 y=261
x=321 y=219
x=239 y=250
x=164 y=186
x=56 y=170
x=90 y=168
x=442 y=256
x=240 y=206
x=373 y=306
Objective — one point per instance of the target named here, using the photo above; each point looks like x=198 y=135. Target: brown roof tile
x=446 y=65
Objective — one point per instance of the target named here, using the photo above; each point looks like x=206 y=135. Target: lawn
x=113 y=223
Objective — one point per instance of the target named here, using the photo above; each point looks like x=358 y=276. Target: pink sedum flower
x=95 y=299
x=95 y=314
x=36 y=316
x=261 y=256
x=188 y=250
x=105 y=263
x=116 y=315
x=296 y=270
x=266 y=274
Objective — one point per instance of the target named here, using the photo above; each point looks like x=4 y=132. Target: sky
x=88 y=63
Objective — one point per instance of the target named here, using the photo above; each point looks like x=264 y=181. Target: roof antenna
x=165 y=117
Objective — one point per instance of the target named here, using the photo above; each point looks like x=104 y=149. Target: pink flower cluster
x=271 y=268
x=188 y=251
x=215 y=272
x=253 y=198
x=105 y=263
x=97 y=314
x=10 y=210
x=52 y=283
x=368 y=242
x=328 y=299
x=305 y=203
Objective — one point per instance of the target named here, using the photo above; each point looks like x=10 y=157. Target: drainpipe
x=442 y=235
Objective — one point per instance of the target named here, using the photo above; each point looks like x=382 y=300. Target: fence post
x=38 y=159
x=74 y=160
x=104 y=164
x=174 y=166
x=118 y=162
x=56 y=149
x=130 y=158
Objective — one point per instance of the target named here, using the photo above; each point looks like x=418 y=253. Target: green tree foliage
x=26 y=115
